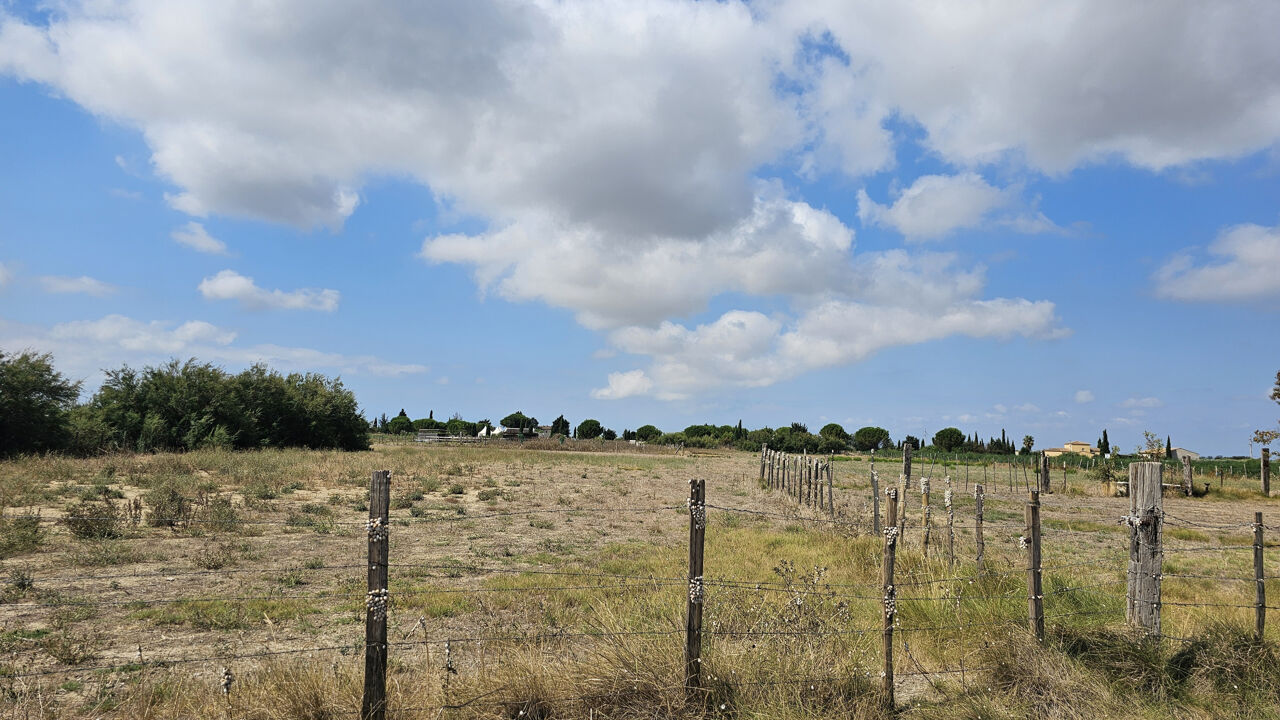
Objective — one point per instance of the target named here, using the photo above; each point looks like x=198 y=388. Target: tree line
x=175 y=406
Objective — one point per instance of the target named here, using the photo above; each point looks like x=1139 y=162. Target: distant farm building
x=1076 y=447
x=1180 y=453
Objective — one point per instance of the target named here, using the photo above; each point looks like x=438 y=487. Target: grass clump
x=93 y=520
x=169 y=506
x=20 y=535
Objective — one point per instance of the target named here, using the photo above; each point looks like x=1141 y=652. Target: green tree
x=648 y=433
x=1168 y=446
x=589 y=429
x=518 y=420
x=560 y=426
x=871 y=438
x=609 y=434
x=948 y=439
x=35 y=402
x=913 y=441
x=400 y=424
x=1105 y=445
x=834 y=431
x=1028 y=442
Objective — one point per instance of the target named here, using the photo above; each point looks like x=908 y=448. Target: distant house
x=543 y=431
x=1180 y=453
x=1076 y=447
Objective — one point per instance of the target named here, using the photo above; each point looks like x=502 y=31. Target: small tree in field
x=1028 y=442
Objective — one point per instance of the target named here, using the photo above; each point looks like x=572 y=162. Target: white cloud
x=231 y=285
x=750 y=349
x=934 y=206
x=194 y=236
x=1084 y=396
x=1027 y=408
x=1144 y=402
x=84 y=347
x=84 y=285
x=6 y=275
x=1249 y=268
x=624 y=384
x=1057 y=85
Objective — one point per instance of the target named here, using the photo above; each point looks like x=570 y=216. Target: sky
x=1045 y=217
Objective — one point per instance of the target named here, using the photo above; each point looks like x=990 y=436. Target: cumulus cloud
x=1084 y=396
x=1248 y=268
x=85 y=347
x=231 y=285
x=934 y=206
x=750 y=349
x=194 y=236
x=83 y=285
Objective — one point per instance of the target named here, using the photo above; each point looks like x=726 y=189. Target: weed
x=215 y=556
x=20 y=535
x=542 y=524
x=457 y=489
x=169 y=506
x=93 y=520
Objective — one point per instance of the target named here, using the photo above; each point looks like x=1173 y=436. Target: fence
x=940 y=607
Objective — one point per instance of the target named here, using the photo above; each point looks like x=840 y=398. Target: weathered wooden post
x=902 y=508
x=906 y=464
x=1266 y=471
x=764 y=453
x=1146 y=555
x=1186 y=476
x=978 y=498
x=890 y=594
x=1044 y=470
x=1260 y=592
x=1035 y=589
x=373 y=705
x=693 y=611
x=875 y=500
x=951 y=526
x=831 y=490
x=925 y=515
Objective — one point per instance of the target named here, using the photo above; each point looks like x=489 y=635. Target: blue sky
x=1050 y=219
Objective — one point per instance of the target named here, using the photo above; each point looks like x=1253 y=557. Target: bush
x=220 y=515
x=169 y=507
x=93 y=520
x=20 y=535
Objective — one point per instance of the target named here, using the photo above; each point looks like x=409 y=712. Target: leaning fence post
x=374 y=704
x=978 y=498
x=697 y=590
x=1145 y=519
x=875 y=500
x=1260 y=598
x=890 y=594
x=1035 y=588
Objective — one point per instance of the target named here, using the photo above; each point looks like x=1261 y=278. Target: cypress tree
x=1168 y=446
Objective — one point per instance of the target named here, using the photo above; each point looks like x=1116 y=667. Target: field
x=550 y=583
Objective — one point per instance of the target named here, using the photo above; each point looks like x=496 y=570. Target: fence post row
x=373 y=706
x=891 y=534
x=1145 y=520
x=1260 y=596
x=697 y=589
x=1035 y=588
x=951 y=526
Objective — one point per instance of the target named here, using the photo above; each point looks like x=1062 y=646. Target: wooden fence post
x=1146 y=510
x=1260 y=595
x=978 y=498
x=901 y=504
x=875 y=500
x=1186 y=476
x=764 y=453
x=925 y=515
x=1266 y=471
x=697 y=590
x=951 y=525
x=831 y=491
x=1044 y=470
x=1035 y=588
x=906 y=464
x=373 y=706
x=890 y=594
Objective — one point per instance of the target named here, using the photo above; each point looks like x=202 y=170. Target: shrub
x=19 y=535
x=169 y=507
x=93 y=520
x=220 y=515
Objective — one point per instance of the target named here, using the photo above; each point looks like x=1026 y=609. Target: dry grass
x=266 y=554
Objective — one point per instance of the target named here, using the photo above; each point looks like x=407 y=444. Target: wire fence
x=928 y=611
